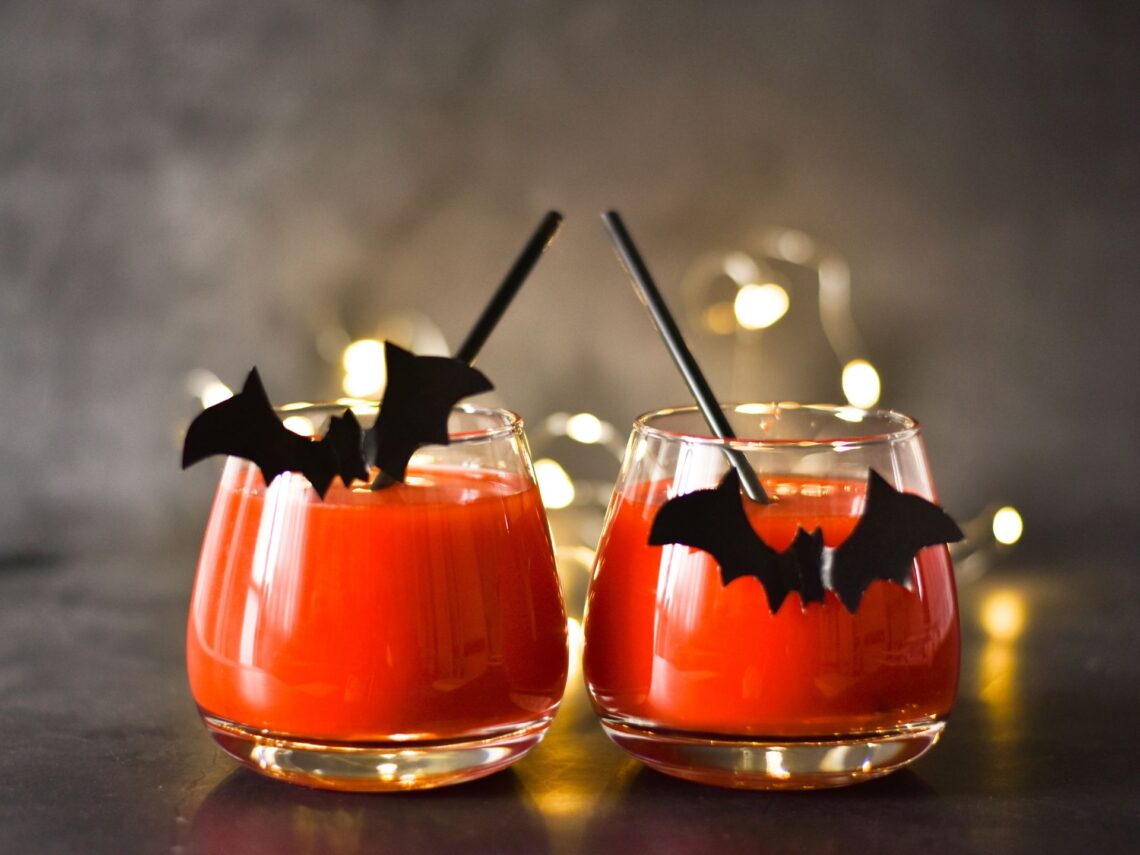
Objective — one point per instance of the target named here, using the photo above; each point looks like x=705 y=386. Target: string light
x=861 y=383
x=741 y=268
x=554 y=485
x=794 y=246
x=365 y=371
x=206 y=387
x=586 y=428
x=215 y=393
x=302 y=425
x=1007 y=526
x=757 y=307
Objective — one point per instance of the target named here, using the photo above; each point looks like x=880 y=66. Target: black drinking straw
x=682 y=356
x=498 y=303
x=514 y=279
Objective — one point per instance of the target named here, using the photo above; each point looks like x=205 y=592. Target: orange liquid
x=669 y=646
x=429 y=610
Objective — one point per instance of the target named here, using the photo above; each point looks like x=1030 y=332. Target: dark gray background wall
x=199 y=183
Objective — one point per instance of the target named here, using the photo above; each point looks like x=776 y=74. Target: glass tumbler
x=394 y=639
x=700 y=679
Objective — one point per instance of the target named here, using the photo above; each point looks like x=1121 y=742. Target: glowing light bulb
x=554 y=485
x=795 y=246
x=1007 y=526
x=1003 y=615
x=585 y=428
x=206 y=387
x=365 y=371
x=300 y=424
x=720 y=318
x=861 y=383
x=215 y=392
x=757 y=307
x=574 y=641
x=741 y=268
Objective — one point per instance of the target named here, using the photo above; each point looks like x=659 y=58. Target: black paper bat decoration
x=893 y=528
x=247 y=426
x=417 y=401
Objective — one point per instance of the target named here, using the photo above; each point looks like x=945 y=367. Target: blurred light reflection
x=1003 y=615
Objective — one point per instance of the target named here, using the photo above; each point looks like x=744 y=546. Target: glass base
x=788 y=764
x=373 y=766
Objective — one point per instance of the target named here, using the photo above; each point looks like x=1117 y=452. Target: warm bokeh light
x=554 y=485
x=720 y=318
x=585 y=428
x=574 y=641
x=365 y=371
x=757 y=307
x=1007 y=526
x=741 y=268
x=795 y=246
x=206 y=387
x=861 y=383
x=753 y=409
x=302 y=425
x=1003 y=615
x=215 y=392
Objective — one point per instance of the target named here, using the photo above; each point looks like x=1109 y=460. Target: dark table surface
x=103 y=751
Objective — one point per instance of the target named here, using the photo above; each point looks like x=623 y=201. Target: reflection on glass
x=246 y=815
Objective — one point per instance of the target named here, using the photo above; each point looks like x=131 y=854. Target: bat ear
x=876 y=483
x=253 y=387
x=395 y=355
x=730 y=483
x=927 y=522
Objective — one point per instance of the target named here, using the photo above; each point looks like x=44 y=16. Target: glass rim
x=511 y=422
x=907 y=427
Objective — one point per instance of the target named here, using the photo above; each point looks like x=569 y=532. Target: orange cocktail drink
x=382 y=639
x=701 y=679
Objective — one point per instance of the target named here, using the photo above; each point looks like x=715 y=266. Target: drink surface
x=669 y=646
x=427 y=610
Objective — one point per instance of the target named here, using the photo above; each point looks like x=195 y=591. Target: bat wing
x=893 y=528
x=246 y=426
x=417 y=402
x=714 y=521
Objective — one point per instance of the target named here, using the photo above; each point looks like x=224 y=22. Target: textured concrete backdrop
x=201 y=183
